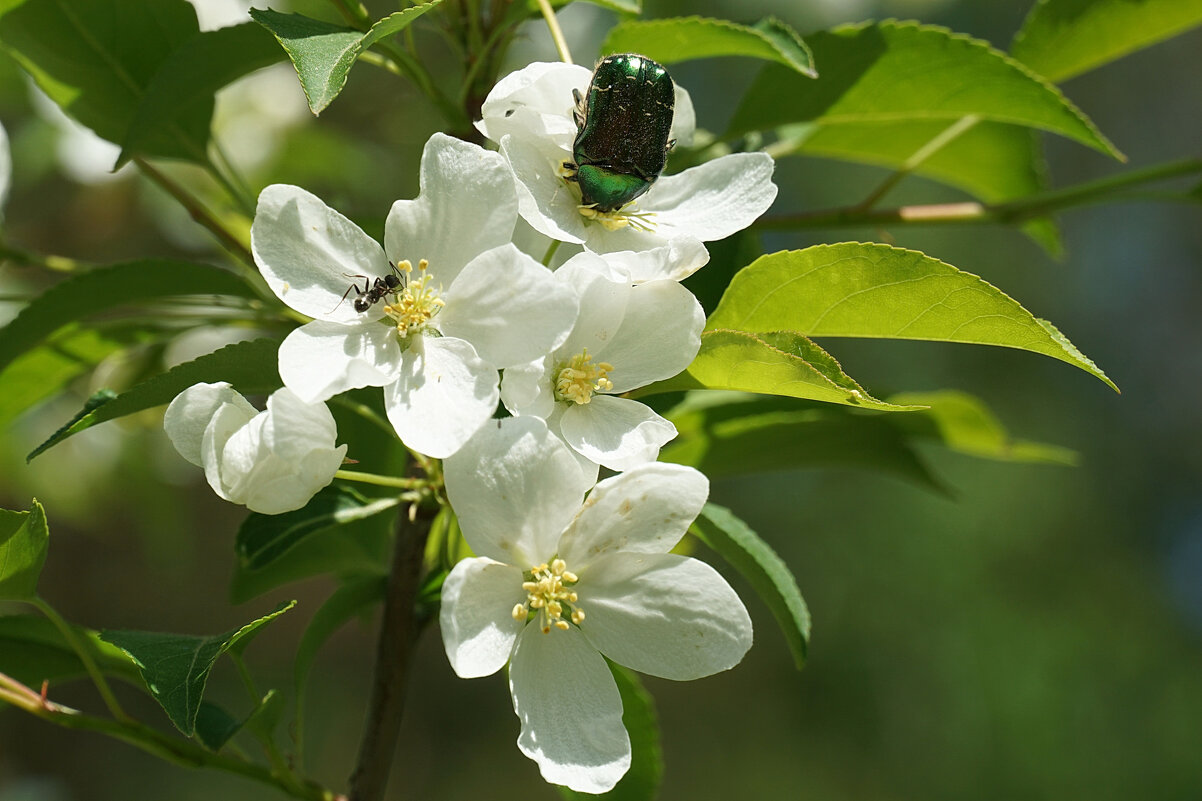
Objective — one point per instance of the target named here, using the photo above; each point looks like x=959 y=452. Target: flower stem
x=85 y=656
x=1008 y=212
x=381 y=481
x=398 y=637
x=561 y=44
x=60 y=264
x=550 y=254
x=919 y=156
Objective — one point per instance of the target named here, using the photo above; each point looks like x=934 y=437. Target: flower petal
x=189 y=414
x=230 y=423
x=309 y=253
x=444 y=394
x=604 y=291
x=570 y=710
x=509 y=307
x=321 y=359
x=663 y=614
x=713 y=200
x=515 y=487
x=282 y=485
x=535 y=100
x=467 y=205
x=645 y=510
x=658 y=338
x=618 y=433
x=478 y=628
x=295 y=428
x=545 y=200
x=526 y=389
x=674 y=261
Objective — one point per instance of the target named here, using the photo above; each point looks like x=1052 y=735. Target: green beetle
x=622 y=129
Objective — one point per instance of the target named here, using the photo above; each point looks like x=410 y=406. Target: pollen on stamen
x=418 y=302
x=576 y=382
x=548 y=593
x=627 y=216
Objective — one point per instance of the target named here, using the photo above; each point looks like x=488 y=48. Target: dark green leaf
x=184 y=86
x=771 y=578
x=264 y=538
x=251 y=367
x=870 y=290
x=1063 y=38
x=98 y=59
x=215 y=726
x=323 y=53
x=771 y=363
x=95 y=291
x=896 y=72
x=176 y=667
x=724 y=435
x=24 y=541
x=33 y=650
x=642 y=781
x=687 y=38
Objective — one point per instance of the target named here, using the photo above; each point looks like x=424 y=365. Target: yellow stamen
x=579 y=378
x=618 y=219
x=418 y=302
x=548 y=593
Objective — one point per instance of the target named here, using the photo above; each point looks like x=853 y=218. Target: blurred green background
x=1036 y=635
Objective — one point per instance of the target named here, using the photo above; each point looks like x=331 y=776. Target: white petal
x=675 y=261
x=664 y=615
x=467 y=205
x=308 y=252
x=6 y=168
x=295 y=428
x=230 y=423
x=321 y=359
x=713 y=200
x=545 y=200
x=604 y=290
x=541 y=93
x=570 y=710
x=526 y=389
x=509 y=307
x=277 y=485
x=618 y=433
x=478 y=628
x=189 y=414
x=514 y=487
x=684 y=119
x=444 y=394
x=658 y=338
x=646 y=510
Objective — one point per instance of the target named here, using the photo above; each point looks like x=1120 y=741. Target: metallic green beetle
x=622 y=129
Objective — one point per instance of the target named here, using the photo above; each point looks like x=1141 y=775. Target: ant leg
x=348 y=291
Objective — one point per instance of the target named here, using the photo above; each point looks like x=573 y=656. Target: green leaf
x=24 y=541
x=963 y=423
x=184 y=85
x=97 y=60
x=263 y=538
x=771 y=363
x=1063 y=38
x=768 y=575
x=176 y=667
x=323 y=53
x=896 y=72
x=725 y=434
x=251 y=367
x=33 y=650
x=95 y=291
x=869 y=290
x=687 y=38
x=215 y=726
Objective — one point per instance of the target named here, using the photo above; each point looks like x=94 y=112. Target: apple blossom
x=271 y=461
x=463 y=302
x=557 y=587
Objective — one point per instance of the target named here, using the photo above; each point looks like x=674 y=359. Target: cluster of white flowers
x=450 y=318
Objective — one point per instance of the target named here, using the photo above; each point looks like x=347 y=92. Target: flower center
x=549 y=595
x=415 y=305
x=577 y=380
x=628 y=215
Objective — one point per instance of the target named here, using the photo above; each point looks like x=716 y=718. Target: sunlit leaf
x=42 y=372
x=33 y=650
x=24 y=542
x=767 y=573
x=176 y=667
x=895 y=71
x=251 y=367
x=772 y=363
x=97 y=61
x=687 y=38
x=323 y=53
x=870 y=290
x=1063 y=38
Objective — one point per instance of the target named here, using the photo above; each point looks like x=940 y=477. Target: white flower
x=529 y=114
x=272 y=461
x=557 y=585
x=6 y=169
x=463 y=304
x=626 y=336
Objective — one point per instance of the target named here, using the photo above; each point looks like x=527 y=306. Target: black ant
x=372 y=292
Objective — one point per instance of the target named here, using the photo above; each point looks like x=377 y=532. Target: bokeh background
x=1035 y=634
